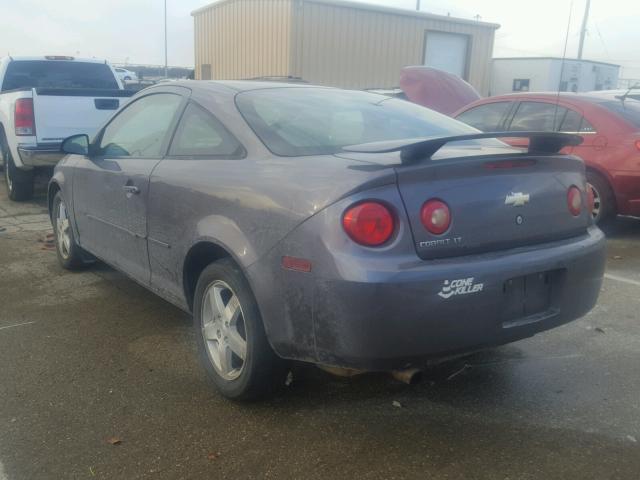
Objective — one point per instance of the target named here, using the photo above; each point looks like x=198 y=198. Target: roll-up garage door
x=447 y=51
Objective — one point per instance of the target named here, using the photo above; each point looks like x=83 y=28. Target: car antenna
x=564 y=56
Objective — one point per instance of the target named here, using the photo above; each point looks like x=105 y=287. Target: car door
x=194 y=182
x=110 y=187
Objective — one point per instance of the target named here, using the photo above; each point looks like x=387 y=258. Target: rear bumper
x=40 y=155
x=626 y=186
x=401 y=319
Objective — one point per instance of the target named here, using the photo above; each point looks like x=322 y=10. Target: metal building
x=549 y=74
x=334 y=42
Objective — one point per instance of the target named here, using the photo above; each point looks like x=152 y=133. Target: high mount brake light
x=503 y=164
x=369 y=223
x=435 y=216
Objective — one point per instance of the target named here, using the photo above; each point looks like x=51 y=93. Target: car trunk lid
x=495 y=203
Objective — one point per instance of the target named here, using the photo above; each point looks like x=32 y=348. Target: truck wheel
x=19 y=182
x=232 y=343
x=70 y=255
x=604 y=208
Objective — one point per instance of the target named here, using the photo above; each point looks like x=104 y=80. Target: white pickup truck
x=43 y=100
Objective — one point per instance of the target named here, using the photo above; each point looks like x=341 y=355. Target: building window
x=521 y=85
x=564 y=85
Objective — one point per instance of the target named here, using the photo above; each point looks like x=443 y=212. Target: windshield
x=628 y=109
x=58 y=74
x=316 y=121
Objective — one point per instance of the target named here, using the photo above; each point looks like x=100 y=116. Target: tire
x=70 y=255
x=604 y=200
x=19 y=182
x=220 y=337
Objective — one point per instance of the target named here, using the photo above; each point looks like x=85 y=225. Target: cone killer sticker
x=460 y=286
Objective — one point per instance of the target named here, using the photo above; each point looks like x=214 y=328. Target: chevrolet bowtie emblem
x=517 y=199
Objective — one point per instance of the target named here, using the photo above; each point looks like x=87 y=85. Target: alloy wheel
x=63 y=230
x=597 y=203
x=223 y=330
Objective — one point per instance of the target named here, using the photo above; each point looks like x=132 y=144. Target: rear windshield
x=58 y=74
x=317 y=121
x=629 y=110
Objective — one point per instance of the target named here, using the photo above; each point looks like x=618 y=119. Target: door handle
x=131 y=189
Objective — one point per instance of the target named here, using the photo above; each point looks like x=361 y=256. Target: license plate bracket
x=527 y=296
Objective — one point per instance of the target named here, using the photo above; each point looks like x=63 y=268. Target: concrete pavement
x=89 y=358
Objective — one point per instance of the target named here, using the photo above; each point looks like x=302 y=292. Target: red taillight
x=369 y=223
x=23 y=118
x=435 y=216
x=637 y=143
x=574 y=200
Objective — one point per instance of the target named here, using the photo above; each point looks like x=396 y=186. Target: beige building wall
x=242 y=39
x=338 y=43
x=328 y=42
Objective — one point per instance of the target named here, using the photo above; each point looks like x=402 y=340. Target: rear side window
x=201 y=134
x=538 y=117
x=570 y=122
x=573 y=122
x=629 y=110
x=141 y=128
x=487 y=118
x=586 y=127
x=317 y=121
x=58 y=74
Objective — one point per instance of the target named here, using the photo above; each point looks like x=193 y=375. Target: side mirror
x=76 y=144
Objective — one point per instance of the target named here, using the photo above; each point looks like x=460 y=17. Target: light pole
x=418 y=5
x=583 y=30
x=166 y=69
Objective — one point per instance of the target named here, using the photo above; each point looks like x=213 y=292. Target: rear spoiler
x=414 y=150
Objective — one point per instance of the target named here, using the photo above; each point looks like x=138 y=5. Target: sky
x=133 y=30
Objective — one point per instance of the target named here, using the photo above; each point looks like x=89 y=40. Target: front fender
x=62 y=180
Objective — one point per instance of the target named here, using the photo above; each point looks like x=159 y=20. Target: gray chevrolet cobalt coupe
x=334 y=227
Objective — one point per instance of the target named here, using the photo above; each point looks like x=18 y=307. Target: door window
x=538 y=117
x=487 y=118
x=141 y=128
x=201 y=134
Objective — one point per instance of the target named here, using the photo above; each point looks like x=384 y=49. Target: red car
x=608 y=123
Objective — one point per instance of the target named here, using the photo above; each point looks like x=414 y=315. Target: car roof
x=44 y=58
x=592 y=97
x=247 y=85
x=234 y=86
